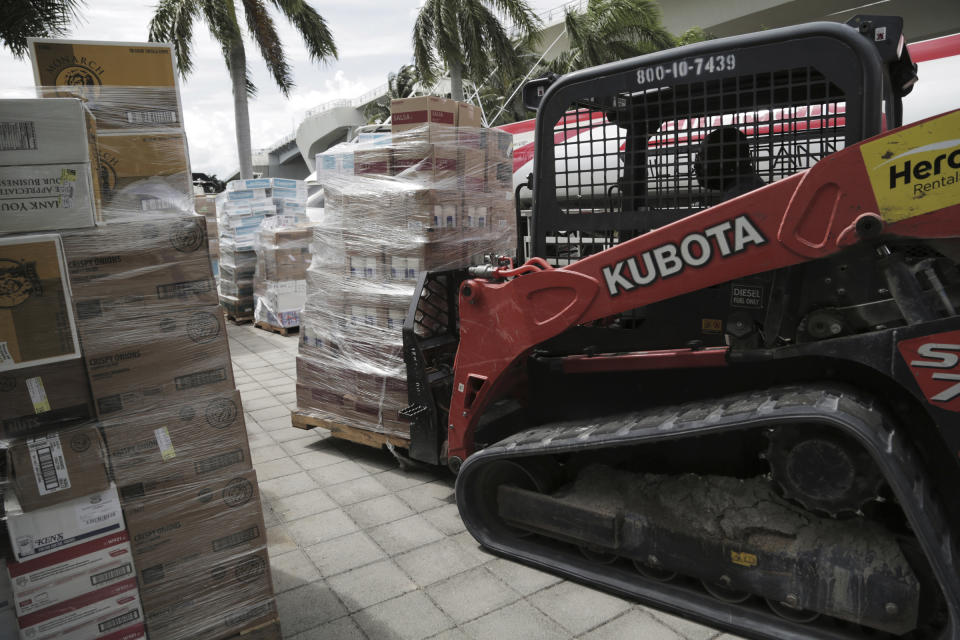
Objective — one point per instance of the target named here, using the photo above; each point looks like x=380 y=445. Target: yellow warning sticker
x=743 y=558
x=711 y=325
x=916 y=171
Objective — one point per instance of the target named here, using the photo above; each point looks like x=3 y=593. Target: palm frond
x=424 y=34
x=312 y=27
x=264 y=33
x=173 y=22
x=21 y=19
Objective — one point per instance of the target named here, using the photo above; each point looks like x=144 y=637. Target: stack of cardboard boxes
x=133 y=505
x=241 y=210
x=428 y=198
x=131 y=89
x=206 y=206
x=280 y=281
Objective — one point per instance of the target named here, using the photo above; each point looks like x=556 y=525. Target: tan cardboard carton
x=188 y=325
x=216 y=600
x=36 y=399
x=469 y=115
x=182 y=528
x=128 y=85
x=471 y=169
x=427 y=163
x=376 y=161
x=183 y=444
x=36 y=314
x=157 y=373
x=412 y=113
x=141 y=173
x=58 y=466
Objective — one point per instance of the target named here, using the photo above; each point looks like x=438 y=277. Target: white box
x=65 y=525
x=245 y=194
x=44 y=197
x=55 y=578
x=45 y=131
x=112 y=612
x=250 y=183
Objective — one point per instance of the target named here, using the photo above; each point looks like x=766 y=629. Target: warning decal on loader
x=916 y=171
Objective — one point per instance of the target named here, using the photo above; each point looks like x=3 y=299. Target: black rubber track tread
x=852 y=411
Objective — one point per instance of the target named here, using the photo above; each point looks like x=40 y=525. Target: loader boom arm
x=904 y=182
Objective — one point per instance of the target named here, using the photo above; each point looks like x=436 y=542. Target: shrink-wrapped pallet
x=422 y=201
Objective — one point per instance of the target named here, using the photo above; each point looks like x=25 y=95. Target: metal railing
x=357 y=102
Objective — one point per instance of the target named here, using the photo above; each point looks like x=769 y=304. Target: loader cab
x=634 y=145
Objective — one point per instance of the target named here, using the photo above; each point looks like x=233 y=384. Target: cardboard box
x=44 y=197
x=6 y=589
x=411 y=113
x=58 y=577
x=36 y=399
x=36 y=131
x=112 y=612
x=65 y=525
x=469 y=115
x=239 y=308
x=134 y=378
x=216 y=600
x=183 y=327
x=128 y=85
x=377 y=161
x=426 y=163
x=202 y=437
x=36 y=315
x=268 y=631
x=58 y=466
x=142 y=173
x=176 y=530
x=471 y=170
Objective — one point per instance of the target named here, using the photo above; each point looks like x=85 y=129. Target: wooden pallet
x=238 y=320
x=346 y=432
x=283 y=331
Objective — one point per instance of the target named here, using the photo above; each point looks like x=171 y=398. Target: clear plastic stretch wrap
x=241 y=210
x=280 y=287
x=147 y=408
x=428 y=199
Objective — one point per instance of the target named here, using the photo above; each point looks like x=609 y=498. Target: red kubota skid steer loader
x=728 y=383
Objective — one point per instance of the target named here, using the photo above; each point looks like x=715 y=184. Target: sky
x=373 y=38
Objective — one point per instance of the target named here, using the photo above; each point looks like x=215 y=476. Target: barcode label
x=5 y=353
x=110 y=575
x=49 y=465
x=18 y=136
x=119 y=621
x=151 y=117
x=156 y=204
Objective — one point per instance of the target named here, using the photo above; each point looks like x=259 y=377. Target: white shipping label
x=49 y=465
x=38 y=395
x=5 y=356
x=94 y=514
x=164 y=443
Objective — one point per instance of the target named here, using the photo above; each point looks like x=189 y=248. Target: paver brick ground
x=360 y=549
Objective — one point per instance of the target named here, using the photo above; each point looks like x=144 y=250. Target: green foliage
x=402 y=84
x=22 y=19
x=468 y=38
x=694 y=34
x=173 y=21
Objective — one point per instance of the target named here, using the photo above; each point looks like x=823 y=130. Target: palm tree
x=173 y=22
x=22 y=19
x=609 y=30
x=402 y=84
x=469 y=38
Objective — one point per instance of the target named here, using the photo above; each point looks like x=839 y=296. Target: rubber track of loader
x=837 y=406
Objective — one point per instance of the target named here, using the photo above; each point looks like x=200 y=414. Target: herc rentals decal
x=696 y=249
x=917 y=170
